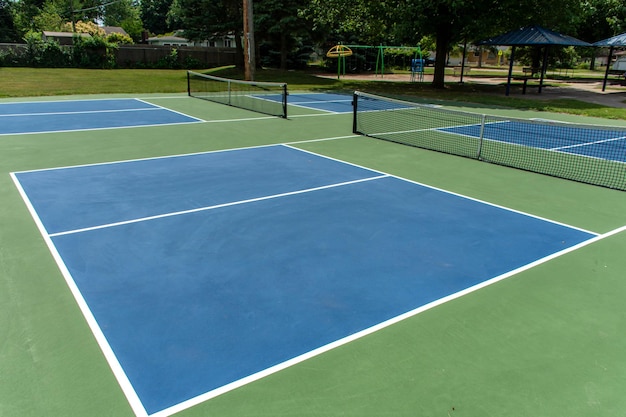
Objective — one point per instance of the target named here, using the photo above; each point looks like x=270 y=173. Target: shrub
x=118 y=39
x=169 y=61
x=40 y=53
x=93 y=52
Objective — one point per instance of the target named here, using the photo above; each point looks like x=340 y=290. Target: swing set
x=341 y=52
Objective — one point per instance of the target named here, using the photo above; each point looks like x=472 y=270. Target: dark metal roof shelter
x=616 y=41
x=532 y=36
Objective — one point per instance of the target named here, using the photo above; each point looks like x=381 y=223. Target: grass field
x=33 y=82
x=546 y=342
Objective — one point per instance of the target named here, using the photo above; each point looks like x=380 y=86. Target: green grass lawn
x=35 y=82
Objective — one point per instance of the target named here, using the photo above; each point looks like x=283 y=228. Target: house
x=169 y=41
x=108 y=30
x=488 y=56
x=63 y=38
x=67 y=38
x=218 y=41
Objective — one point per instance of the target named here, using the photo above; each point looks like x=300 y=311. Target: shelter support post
x=508 y=81
x=608 y=68
x=544 y=67
x=463 y=61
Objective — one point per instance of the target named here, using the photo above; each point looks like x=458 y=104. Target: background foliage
x=287 y=31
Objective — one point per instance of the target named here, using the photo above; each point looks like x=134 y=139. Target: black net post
x=355 y=103
x=285 y=94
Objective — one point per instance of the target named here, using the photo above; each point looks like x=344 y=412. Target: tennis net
x=585 y=153
x=261 y=97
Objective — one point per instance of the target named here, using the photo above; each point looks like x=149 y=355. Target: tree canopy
x=284 y=26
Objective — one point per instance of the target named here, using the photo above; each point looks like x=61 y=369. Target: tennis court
x=588 y=153
x=558 y=138
x=42 y=117
x=209 y=261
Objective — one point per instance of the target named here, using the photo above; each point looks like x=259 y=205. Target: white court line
x=446 y=191
x=105 y=347
x=156 y=107
x=152 y=108
x=324 y=113
x=127 y=388
x=348 y=100
x=284 y=365
x=587 y=143
x=324 y=140
x=85 y=112
x=165 y=108
x=101 y=128
x=125 y=161
x=394 y=320
x=316 y=109
x=293 y=146
x=206 y=208
x=69 y=99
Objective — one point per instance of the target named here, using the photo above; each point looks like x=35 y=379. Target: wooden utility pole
x=248 y=44
x=72 y=16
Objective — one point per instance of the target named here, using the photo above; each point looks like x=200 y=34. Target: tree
x=25 y=12
x=51 y=17
x=366 y=22
x=126 y=14
x=207 y=19
x=456 y=21
x=8 y=31
x=279 y=23
x=154 y=15
x=204 y=19
x=601 y=19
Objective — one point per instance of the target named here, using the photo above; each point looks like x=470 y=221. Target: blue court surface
x=597 y=143
x=202 y=271
x=57 y=116
x=326 y=102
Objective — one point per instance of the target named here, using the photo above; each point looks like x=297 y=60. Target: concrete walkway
x=587 y=91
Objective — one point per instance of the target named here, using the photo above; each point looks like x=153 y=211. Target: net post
x=229 y=91
x=284 y=101
x=188 y=84
x=481 y=137
x=355 y=98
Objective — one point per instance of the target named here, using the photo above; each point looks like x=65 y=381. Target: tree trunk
x=284 y=51
x=443 y=43
x=239 y=60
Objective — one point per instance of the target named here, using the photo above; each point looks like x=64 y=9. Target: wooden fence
x=129 y=56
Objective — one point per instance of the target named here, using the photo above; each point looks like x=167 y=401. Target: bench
x=530 y=71
x=619 y=73
x=529 y=74
x=465 y=69
x=562 y=72
x=525 y=80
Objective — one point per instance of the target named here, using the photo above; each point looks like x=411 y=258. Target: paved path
x=588 y=91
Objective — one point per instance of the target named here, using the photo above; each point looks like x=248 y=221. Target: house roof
x=168 y=39
x=51 y=34
x=533 y=35
x=619 y=40
x=114 y=29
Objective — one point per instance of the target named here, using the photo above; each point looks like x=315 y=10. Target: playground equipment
x=417 y=69
x=341 y=51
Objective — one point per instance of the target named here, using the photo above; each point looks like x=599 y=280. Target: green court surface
x=549 y=341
